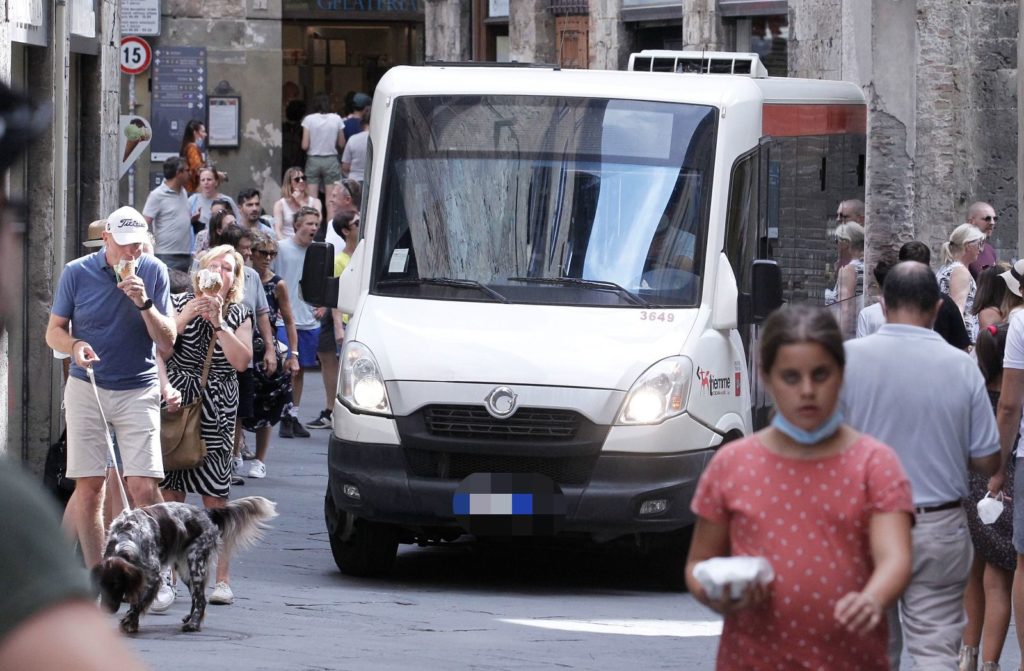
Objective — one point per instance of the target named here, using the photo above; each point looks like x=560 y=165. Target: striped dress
x=220 y=400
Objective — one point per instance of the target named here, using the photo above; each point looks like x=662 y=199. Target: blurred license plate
x=509 y=504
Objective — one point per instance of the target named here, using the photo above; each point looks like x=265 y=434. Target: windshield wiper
x=445 y=282
x=588 y=284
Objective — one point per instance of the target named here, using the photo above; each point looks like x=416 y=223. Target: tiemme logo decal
x=713 y=386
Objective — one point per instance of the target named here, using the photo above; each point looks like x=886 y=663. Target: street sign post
x=135 y=55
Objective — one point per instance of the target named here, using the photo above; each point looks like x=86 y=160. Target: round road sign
x=135 y=55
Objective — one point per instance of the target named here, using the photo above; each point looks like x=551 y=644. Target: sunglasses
x=299 y=178
x=991 y=218
x=265 y=253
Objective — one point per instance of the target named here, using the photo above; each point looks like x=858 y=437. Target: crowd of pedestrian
x=196 y=299
x=870 y=522
x=865 y=514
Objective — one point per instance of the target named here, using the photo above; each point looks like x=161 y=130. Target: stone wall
x=447 y=30
x=531 y=32
x=243 y=48
x=609 y=40
x=942 y=108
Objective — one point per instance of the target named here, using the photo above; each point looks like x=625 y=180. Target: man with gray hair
x=983 y=217
x=891 y=376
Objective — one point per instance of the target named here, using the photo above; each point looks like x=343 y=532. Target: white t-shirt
x=1013 y=357
x=355 y=155
x=323 y=133
x=870 y=320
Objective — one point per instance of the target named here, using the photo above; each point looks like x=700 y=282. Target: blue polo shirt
x=102 y=315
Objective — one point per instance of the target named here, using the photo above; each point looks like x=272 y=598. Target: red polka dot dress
x=810 y=519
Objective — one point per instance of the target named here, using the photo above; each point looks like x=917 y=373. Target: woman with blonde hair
x=955 y=280
x=849 y=291
x=212 y=323
x=293 y=198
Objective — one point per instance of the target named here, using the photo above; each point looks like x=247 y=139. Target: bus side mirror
x=318 y=288
x=766 y=289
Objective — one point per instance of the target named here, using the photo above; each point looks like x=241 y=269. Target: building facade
x=941 y=80
x=63 y=55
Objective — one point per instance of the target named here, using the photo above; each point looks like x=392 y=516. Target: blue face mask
x=826 y=430
x=200 y=142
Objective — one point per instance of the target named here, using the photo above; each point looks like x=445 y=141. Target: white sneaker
x=258 y=469
x=222 y=594
x=165 y=596
x=237 y=465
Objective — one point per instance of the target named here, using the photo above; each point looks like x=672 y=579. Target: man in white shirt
x=908 y=388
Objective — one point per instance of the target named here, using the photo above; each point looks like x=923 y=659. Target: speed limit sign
x=135 y=55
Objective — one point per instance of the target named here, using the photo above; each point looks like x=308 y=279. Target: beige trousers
x=930 y=618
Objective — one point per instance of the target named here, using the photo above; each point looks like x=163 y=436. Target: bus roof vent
x=705 y=62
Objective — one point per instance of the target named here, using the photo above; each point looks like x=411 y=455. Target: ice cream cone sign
x=135 y=136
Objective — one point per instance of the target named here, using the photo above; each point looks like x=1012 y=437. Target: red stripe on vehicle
x=782 y=120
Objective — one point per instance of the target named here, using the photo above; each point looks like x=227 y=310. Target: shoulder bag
x=181 y=438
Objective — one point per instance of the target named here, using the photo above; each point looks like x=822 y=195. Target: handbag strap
x=209 y=360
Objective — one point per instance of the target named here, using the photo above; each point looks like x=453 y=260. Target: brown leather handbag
x=181 y=437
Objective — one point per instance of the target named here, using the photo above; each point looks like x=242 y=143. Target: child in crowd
x=828 y=507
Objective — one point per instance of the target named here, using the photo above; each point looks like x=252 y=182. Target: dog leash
x=110 y=443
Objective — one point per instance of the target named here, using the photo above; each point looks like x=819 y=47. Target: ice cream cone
x=126 y=267
x=129 y=147
x=209 y=282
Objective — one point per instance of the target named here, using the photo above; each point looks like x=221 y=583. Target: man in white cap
x=118 y=299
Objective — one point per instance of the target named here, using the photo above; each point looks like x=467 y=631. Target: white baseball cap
x=127 y=226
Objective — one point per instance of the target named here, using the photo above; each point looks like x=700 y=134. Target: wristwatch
x=225 y=328
x=294 y=353
x=147 y=305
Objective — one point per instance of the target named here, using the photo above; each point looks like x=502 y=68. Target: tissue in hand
x=728 y=577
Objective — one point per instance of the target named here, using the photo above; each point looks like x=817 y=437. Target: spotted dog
x=142 y=541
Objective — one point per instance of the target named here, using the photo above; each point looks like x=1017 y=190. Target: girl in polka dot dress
x=828 y=507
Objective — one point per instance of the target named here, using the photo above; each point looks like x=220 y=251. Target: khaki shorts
x=323 y=170
x=135 y=416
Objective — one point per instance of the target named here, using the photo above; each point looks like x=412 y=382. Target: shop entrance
x=338 y=59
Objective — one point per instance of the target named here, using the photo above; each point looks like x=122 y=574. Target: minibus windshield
x=545 y=200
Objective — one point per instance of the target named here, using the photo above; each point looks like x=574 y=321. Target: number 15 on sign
x=135 y=55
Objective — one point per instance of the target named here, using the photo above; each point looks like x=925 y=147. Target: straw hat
x=1013 y=277
x=95 y=237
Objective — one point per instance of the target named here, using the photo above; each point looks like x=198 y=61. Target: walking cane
x=110 y=443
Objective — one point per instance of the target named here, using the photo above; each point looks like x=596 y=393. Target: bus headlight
x=362 y=385
x=659 y=393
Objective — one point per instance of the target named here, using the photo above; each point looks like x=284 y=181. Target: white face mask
x=989 y=508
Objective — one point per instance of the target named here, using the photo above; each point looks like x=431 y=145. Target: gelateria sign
x=352 y=8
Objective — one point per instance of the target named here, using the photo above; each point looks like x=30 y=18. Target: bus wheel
x=360 y=547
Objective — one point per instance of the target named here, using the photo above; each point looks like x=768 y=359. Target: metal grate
x=526 y=424
x=459 y=465
x=707 y=62
x=565 y=7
